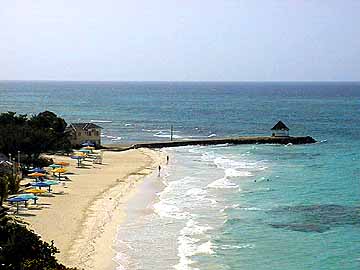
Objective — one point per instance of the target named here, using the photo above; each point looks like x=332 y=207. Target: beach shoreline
x=82 y=215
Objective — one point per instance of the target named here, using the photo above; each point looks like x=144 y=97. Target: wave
x=162 y=134
x=112 y=138
x=167 y=210
x=190 y=246
x=101 y=121
x=193 y=228
x=235 y=173
x=222 y=183
x=227 y=247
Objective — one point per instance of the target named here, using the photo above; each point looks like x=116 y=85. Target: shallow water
x=243 y=207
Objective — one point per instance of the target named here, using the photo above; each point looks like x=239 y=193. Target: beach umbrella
x=36 y=174
x=86 y=151
x=87 y=144
x=89 y=147
x=28 y=196
x=37 y=170
x=62 y=163
x=78 y=158
x=51 y=182
x=40 y=185
x=34 y=191
x=17 y=200
x=55 y=166
x=82 y=154
x=59 y=171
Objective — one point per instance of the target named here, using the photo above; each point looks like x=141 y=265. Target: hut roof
x=84 y=126
x=280 y=126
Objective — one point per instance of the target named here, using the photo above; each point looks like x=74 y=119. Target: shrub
x=22 y=249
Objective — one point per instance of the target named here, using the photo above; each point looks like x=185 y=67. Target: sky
x=180 y=40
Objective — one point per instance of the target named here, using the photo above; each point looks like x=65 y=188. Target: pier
x=215 y=141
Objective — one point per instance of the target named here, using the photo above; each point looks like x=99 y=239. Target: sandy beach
x=82 y=215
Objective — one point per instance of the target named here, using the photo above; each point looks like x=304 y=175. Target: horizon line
x=190 y=81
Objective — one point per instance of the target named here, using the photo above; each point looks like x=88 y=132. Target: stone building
x=84 y=132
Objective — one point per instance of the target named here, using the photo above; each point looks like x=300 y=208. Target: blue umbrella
x=41 y=184
x=54 y=166
x=38 y=170
x=85 y=151
x=51 y=182
x=28 y=197
x=88 y=144
x=17 y=200
x=78 y=158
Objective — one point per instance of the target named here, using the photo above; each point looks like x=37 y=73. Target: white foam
x=187 y=248
x=193 y=228
x=195 y=191
x=222 y=183
x=205 y=248
x=234 y=206
x=230 y=172
x=167 y=210
x=188 y=245
x=212 y=135
x=100 y=121
x=225 y=247
x=251 y=209
x=162 y=134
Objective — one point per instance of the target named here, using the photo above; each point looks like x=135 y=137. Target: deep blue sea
x=229 y=207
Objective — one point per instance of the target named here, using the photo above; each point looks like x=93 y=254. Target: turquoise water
x=229 y=207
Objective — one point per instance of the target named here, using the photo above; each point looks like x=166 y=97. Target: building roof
x=84 y=126
x=4 y=164
x=280 y=126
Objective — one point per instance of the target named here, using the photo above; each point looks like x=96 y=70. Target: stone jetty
x=214 y=141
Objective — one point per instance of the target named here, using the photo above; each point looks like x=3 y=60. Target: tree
x=3 y=188
x=32 y=136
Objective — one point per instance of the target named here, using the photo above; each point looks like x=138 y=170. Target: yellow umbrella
x=81 y=154
x=35 y=191
x=36 y=174
x=62 y=163
x=59 y=171
x=89 y=147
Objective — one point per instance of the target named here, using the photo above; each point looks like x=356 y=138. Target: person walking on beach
x=159 y=170
x=167 y=160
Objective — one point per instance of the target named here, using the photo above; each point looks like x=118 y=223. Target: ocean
x=227 y=207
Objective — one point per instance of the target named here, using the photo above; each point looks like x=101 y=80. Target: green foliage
x=3 y=188
x=9 y=184
x=22 y=249
x=13 y=183
x=32 y=135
